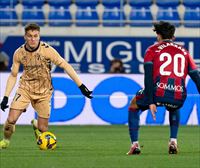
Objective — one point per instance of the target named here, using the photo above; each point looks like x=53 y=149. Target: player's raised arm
x=55 y=57
x=11 y=81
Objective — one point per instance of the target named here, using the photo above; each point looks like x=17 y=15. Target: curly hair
x=165 y=29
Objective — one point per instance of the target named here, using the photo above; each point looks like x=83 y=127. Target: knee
x=133 y=107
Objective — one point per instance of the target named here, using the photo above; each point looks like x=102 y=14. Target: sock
x=133 y=124
x=135 y=142
x=173 y=139
x=37 y=133
x=174 y=119
x=9 y=129
x=6 y=140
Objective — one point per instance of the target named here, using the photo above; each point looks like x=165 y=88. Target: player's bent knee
x=132 y=109
x=133 y=106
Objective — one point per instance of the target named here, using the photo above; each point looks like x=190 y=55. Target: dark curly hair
x=165 y=29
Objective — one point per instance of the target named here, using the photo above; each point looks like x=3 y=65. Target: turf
x=102 y=147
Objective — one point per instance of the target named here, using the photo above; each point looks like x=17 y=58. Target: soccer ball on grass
x=47 y=141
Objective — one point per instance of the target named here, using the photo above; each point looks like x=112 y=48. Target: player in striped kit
x=166 y=65
x=35 y=84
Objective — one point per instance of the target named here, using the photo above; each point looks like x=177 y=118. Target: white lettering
x=170 y=87
x=53 y=43
x=99 y=51
x=160 y=47
x=96 y=68
x=127 y=68
x=139 y=51
x=191 y=48
x=128 y=54
x=86 y=50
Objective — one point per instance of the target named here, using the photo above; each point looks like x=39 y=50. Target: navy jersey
x=171 y=64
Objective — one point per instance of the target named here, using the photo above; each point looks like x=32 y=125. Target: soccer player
x=166 y=65
x=35 y=84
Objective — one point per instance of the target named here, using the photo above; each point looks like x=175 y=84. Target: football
x=47 y=141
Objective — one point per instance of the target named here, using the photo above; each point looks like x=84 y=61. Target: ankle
x=173 y=140
x=135 y=144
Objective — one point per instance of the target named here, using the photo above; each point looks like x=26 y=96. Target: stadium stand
x=8 y=15
x=29 y=3
x=140 y=14
x=192 y=13
x=167 y=3
x=113 y=14
x=33 y=12
x=167 y=10
x=59 y=13
x=86 y=14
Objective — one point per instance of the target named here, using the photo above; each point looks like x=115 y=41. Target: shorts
x=40 y=102
x=141 y=100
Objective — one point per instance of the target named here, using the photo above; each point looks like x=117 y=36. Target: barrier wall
x=112 y=94
x=93 y=54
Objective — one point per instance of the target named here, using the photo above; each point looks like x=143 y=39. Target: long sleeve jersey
x=166 y=66
x=36 y=76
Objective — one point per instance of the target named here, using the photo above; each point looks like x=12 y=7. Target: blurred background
x=90 y=34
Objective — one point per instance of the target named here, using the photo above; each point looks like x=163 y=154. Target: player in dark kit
x=166 y=65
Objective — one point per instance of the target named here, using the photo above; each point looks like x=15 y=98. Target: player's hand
x=153 y=110
x=4 y=103
x=85 y=91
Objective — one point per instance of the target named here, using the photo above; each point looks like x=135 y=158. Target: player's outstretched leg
x=173 y=148
x=35 y=128
x=8 y=129
x=4 y=144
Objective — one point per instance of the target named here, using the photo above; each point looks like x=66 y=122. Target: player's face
x=32 y=38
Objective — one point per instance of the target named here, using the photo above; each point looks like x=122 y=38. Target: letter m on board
x=71 y=51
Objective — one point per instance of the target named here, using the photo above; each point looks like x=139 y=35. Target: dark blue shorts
x=141 y=101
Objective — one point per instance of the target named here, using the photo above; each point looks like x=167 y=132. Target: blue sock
x=133 y=124
x=174 y=119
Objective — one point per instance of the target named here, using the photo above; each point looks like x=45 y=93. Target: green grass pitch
x=102 y=147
